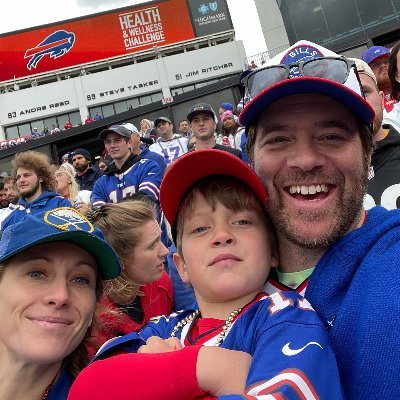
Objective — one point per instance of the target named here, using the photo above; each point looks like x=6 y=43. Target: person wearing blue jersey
x=309 y=138
x=128 y=174
x=51 y=270
x=139 y=148
x=225 y=249
x=36 y=186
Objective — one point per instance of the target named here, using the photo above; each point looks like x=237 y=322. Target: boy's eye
x=200 y=229
x=243 y=222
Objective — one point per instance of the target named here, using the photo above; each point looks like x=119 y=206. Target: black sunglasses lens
x=261 y=79
x=328 y=68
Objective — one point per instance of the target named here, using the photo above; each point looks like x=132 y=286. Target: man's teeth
x=308 y=189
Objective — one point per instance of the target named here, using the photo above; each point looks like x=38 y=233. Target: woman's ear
x=181 y=267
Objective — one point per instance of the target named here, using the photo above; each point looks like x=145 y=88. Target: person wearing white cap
x=310 y=141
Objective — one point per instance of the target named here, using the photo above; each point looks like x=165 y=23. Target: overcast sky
x=21 y=14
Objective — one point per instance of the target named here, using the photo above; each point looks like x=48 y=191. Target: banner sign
x=209 y=17
x=93 y=38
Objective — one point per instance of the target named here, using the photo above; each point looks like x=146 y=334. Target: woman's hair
x=73 y=187
x=121 y=224
x=37 y=162
x=230 y=192
x=393 y=72
x=79 y=358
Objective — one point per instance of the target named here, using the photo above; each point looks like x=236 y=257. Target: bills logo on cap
x=68 y=219
x=55 y=45
x=298 y=54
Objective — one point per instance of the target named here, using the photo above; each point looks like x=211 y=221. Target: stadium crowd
x=252 y=254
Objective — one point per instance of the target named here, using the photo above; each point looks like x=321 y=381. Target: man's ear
x=181 y=267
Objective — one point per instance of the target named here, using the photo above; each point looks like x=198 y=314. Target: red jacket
x=157 y=299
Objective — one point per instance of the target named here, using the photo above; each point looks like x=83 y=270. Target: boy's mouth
x=223 y=257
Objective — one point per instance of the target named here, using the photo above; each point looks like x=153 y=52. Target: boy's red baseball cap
x=191 y=167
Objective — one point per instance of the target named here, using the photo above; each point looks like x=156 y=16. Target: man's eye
x=243 y=222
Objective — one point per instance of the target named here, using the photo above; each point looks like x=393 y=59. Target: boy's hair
x=38 y=163
x=230 y=192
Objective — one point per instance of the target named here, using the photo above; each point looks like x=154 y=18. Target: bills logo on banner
x=298 y=54
x=55 y=45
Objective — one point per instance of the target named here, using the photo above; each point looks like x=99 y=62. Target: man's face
x=80 y=163
x=11 y=192
x=3 y=198
x=311 y=160
x=184 y=127
x=203 y=126
x=165 y=130
x=28 y=184
x=380 y=67
x=117 y=146
x=374 y=98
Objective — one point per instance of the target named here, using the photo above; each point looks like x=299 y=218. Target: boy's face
x=226 y=253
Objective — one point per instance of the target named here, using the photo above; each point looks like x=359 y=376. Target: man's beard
x=31 y=192
x=81 y=167
x=343 y=214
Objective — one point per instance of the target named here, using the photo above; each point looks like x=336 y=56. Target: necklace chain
x=221 y=336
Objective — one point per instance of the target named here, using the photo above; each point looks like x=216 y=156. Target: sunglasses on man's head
x=333 y=68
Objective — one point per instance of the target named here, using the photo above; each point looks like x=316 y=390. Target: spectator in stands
x=68 y=187
x=51 y=266
x=225 y=107
x=12 y=197
x=97 y=117
x=184 y=128
x=143 y=290
x=35 y=184
x=147 y=131
x=66 y=158
x=35 y=133
x=141 y=149
x=54 y=129
x=377 y=57
x=169 y=145
x=202 y=120
x=231 y=129
x=3 y=196
x=128 y=174
x=104 y=163
x=88 y=119
x=253 y=65
x=86 y=173
x=384 y=173
x=67 y=125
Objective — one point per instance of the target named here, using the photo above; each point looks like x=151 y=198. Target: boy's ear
x=274 y=260
x=181 y=267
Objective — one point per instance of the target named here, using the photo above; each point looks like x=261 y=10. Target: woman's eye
x=243 y=222
x=81 y=280
x=36 y=274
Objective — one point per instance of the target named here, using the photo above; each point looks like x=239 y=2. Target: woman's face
x=146 y=261
x=47 y=300
x=62 y=182
x=144 y=125
x=102 y=166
